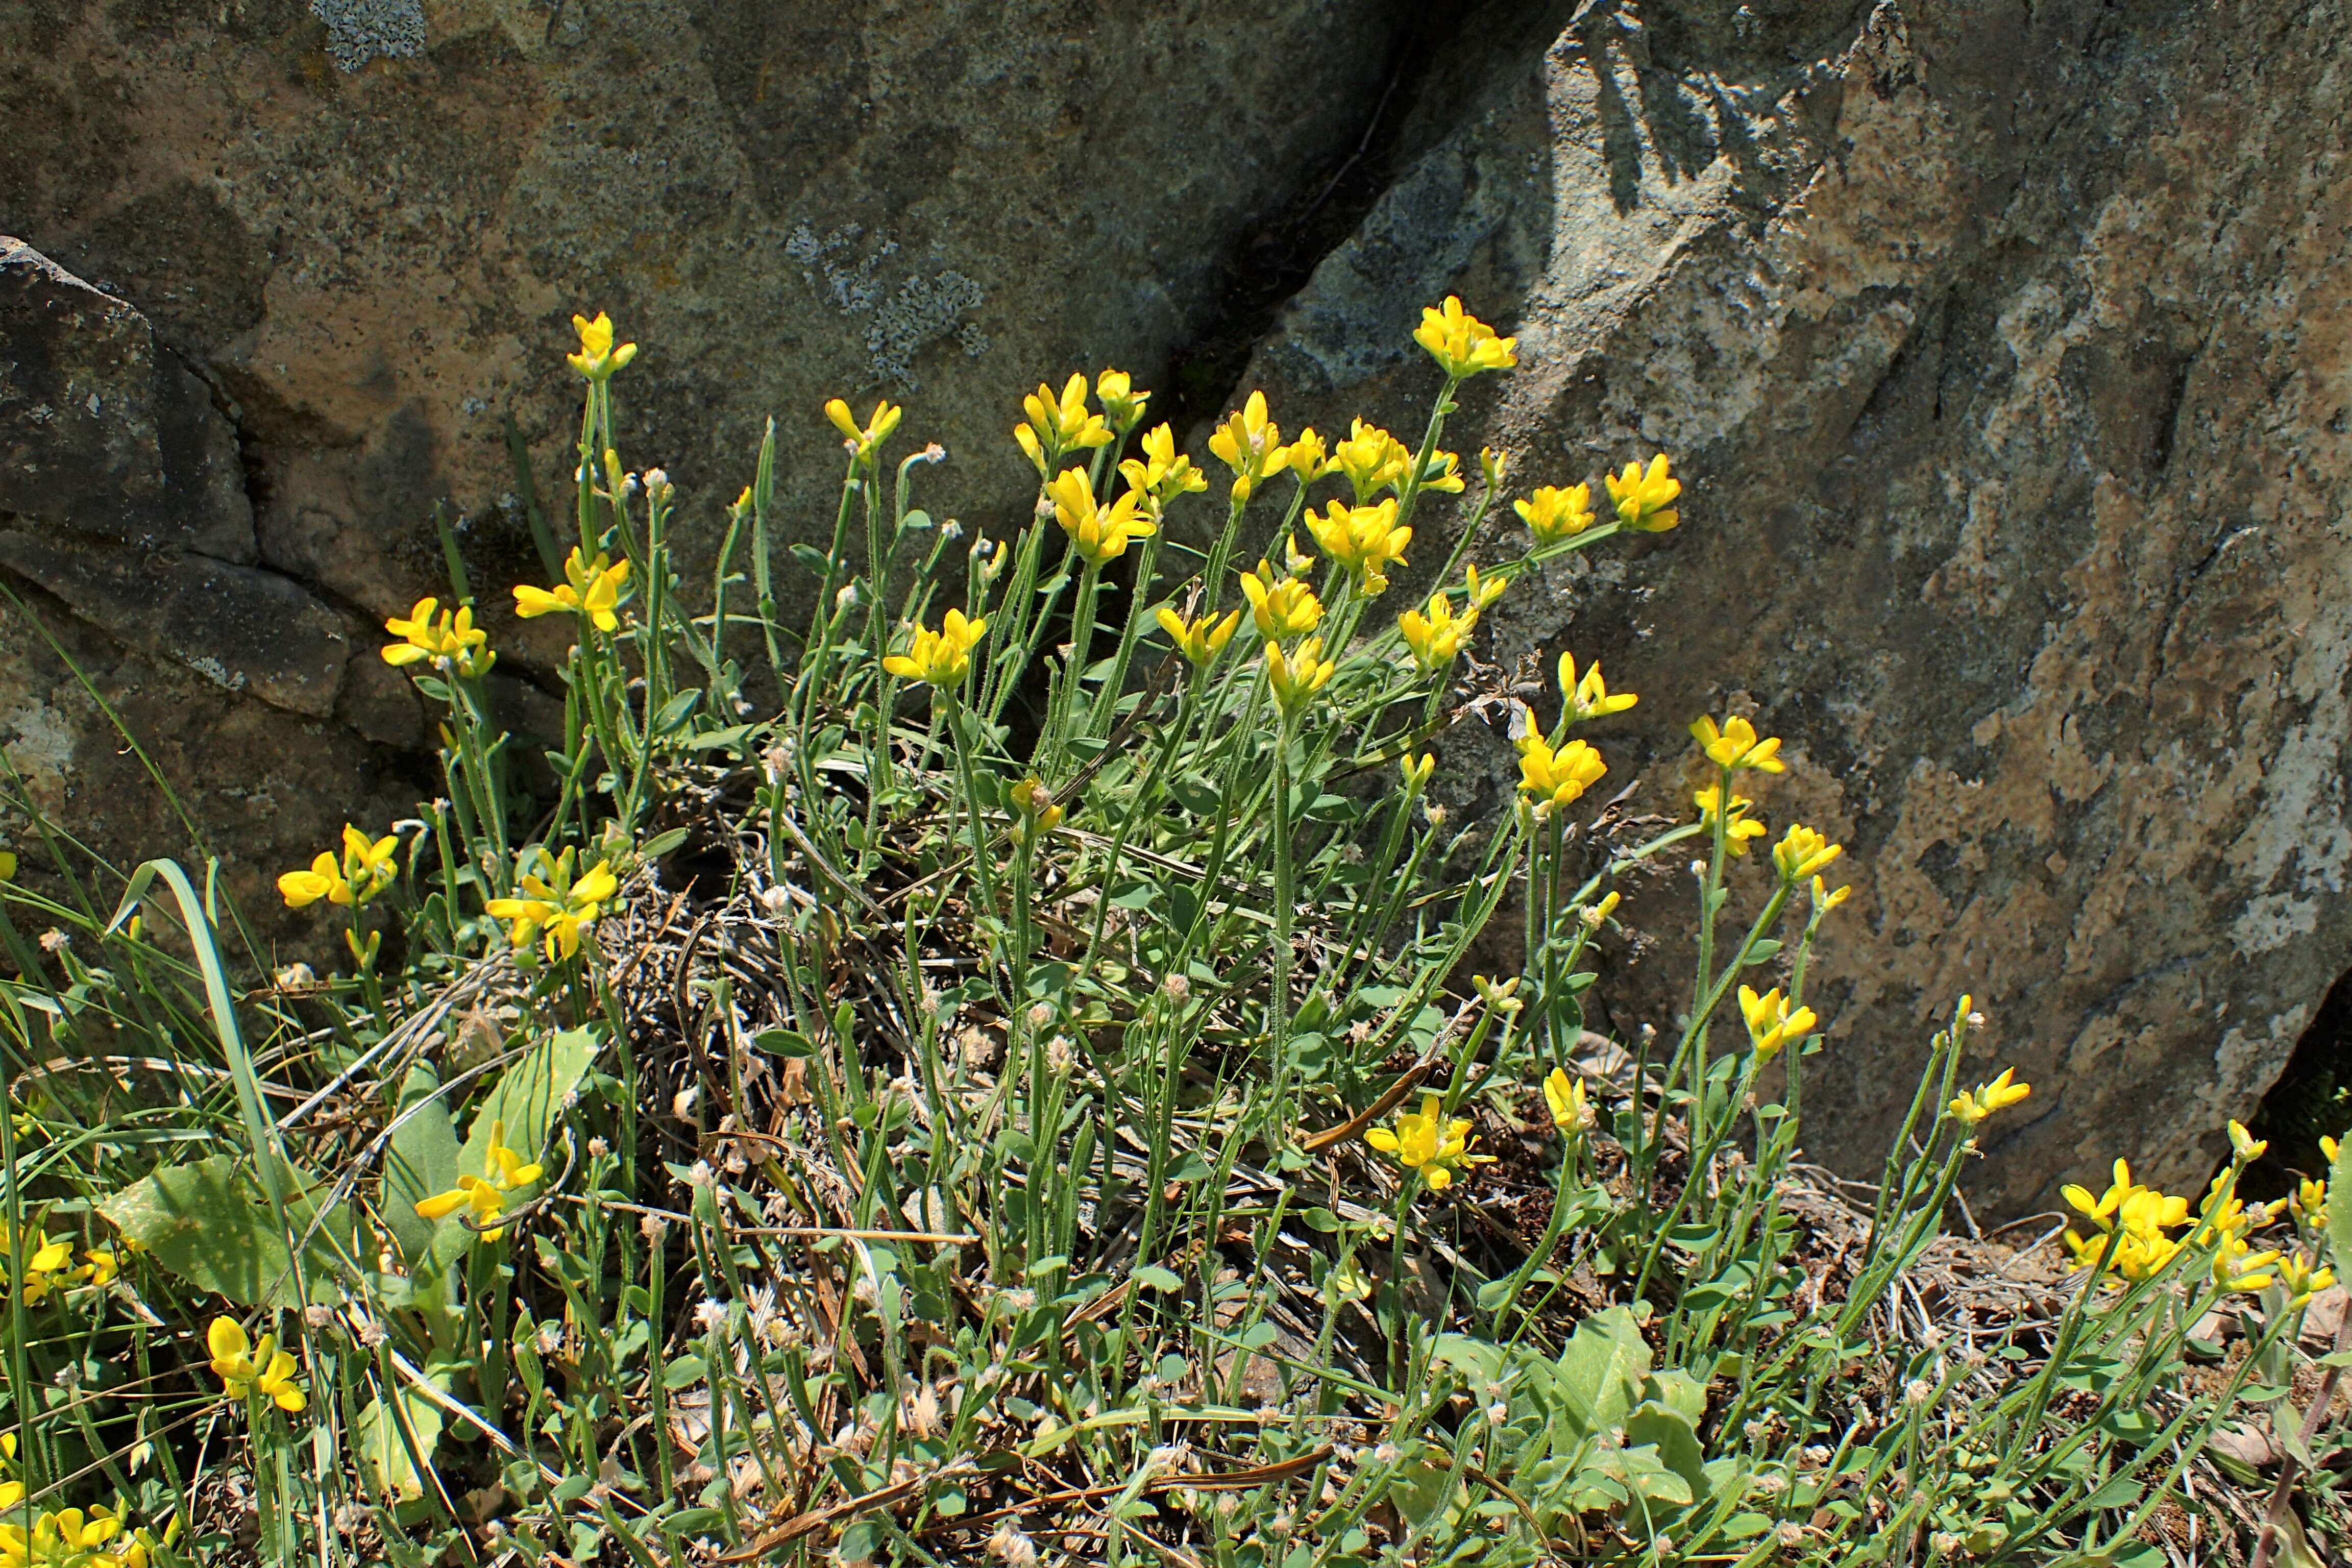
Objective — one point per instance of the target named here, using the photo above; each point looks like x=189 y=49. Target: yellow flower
x=1802 y=852
x=597 y=358
x=1552 y=513
x=1735 y=745
x=1972 y=1106
x=1416 y=770
x=1162 y=473
x=1308 y=459
x=245 y=1369
x=448 y=638
x=1771 y=1023
x=1644 y=500
x=1482 y=593
x=1500 y=996
x=99 y=1266
x=1251 y=445
x=66 y=1538
x=44 y=1261
x=592 y=590
x=2238 y=1268
x=1428 y=1142
x=1824 y=900
x=1569 y=1110
x=1737 y=831
x=1040 y=814
x=865 y=440
x=364 y=870
x=2328 y=1147
x=1597 y=915
x=504 y=1172
x=1364 y=539
x=1122 y=405
x=1589 y=698
x=2310 y=1202
x=2301 y=1279
x=1556 y=778
x=1372 y=459
x=1444 y=473
x=1098 y=533
x=1436 y=638
x=557 y=908
x=1462 y=344
x=1059 y=425
x=1297 y=677
x=939 y=657
x=2247 y=1148
x=1280 y=608
x=1202 y=640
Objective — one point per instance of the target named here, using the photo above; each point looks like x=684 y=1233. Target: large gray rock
x=303 y=261
x=2003 y=349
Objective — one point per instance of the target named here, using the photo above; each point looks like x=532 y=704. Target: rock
x=317 y=255
x=1999 y=347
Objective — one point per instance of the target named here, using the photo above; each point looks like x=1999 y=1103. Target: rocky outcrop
x=2004 y=350
x=2002 y=345
x=288 y=270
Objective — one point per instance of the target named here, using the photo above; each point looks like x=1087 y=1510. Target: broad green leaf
x=1602 y=1369
x=209 y=1224
x=385 y=1452
x=422 y=1161
x=2339 y=1215
x=1677 y=1390
x=1670 y=1431
x=528 y=1100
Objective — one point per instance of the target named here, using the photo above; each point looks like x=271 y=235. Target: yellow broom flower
x=1461 y=343
x=939 y=657
x=591 y=589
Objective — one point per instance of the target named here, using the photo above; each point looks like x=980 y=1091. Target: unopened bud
x=1177 y=989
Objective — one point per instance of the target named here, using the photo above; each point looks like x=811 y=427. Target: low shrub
x=1022 y=1097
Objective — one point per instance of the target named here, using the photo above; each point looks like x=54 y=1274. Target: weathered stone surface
x=2004 y=348
x=359 y=231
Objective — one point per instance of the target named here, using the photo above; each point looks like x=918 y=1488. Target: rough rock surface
x=2005 y=348
x=291 y=267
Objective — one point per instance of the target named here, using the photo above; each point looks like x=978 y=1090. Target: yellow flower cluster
x=2137 y=1218
x=1644 y=500
x=1427 y=1143
x=1552 y=513
x=1556 y=778
x=1588 y=697
x=365 y=869
x=1299 y=677
x=557 y=906
x=1098 y=533
x=68 y=1538
x=866 y=440
x=504 y=1172
x=592 y=589
x=1972 y=1106
x=1201 y=640
x=598 y=359
x=1735 y=745
x=245 y=1369
x=1040 y=812
x=447 y=637
x=1364 y=539
x=1372 y=459
x=1162 y=473
x=49 y=1265
x=1772 y=1023
x=1738 y=829
x=1461 y=343
x=1250 y=443
x=1060 y=425
x=1572 y=1112
x=939 y=657
x=1280 y=608
x=1122 y=405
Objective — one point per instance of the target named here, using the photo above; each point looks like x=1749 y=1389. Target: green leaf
x=1154 y=1277
x=675 y=711
x=209 y=1224
x=661 y=844
x=422 y=1161
x=386 y=1453
x=1671 y=1433
x=528 y=1098
x=2339 y=1215
x=1602 y=1369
